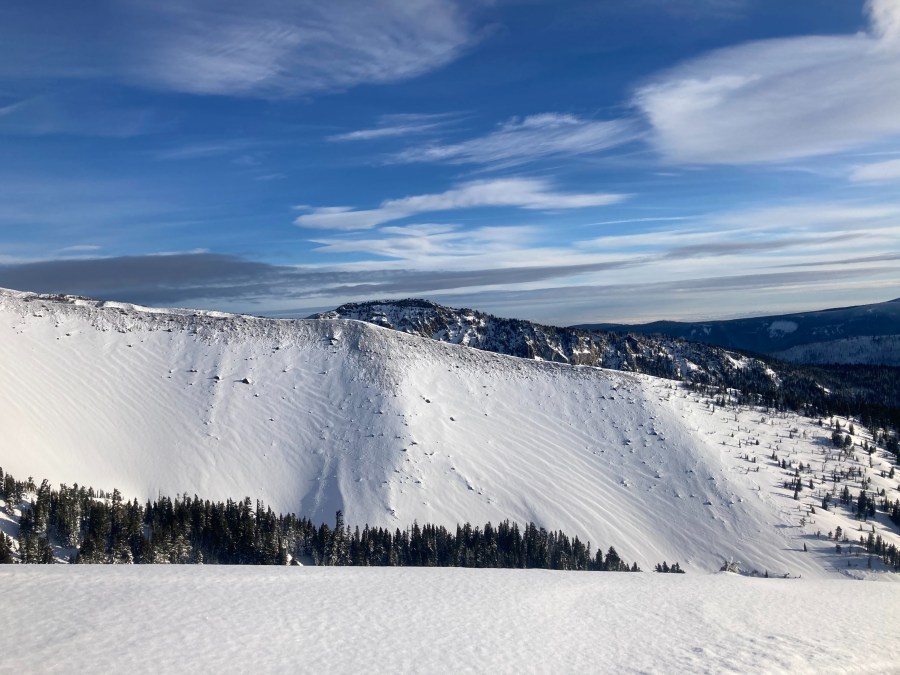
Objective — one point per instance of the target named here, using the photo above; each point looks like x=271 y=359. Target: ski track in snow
x=392 y=428
x=151 y=619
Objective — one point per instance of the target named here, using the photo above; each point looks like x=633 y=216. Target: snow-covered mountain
x=663 y=357
x=866 y=334
x=318 y=415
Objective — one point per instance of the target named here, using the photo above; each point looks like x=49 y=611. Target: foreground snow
x=348 y=620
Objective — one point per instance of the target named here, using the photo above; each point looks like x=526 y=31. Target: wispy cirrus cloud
x=610 y=290
x=822 y=216
x=430 y=244
x=398 y=125
x=211 y=277
x=522 y=140
x=286 y=48
x=67 y=113
x=524 y=193
x=825 y=235
x=780 y=99
x=878 y=172
x=270 y=48
x=199 y=150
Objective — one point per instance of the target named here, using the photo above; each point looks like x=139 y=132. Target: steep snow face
x=314 y=416
x=654 y=355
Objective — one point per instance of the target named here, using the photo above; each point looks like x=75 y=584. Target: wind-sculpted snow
x=319 y=415
x=228 y=619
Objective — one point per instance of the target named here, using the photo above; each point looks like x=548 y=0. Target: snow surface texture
x=316 y=416
x=135 y=619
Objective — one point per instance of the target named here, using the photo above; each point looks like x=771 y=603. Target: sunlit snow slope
x=315 y=416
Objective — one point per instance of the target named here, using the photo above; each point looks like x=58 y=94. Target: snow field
x=202 y=619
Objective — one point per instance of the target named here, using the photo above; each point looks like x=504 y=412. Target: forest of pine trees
x=103 y=528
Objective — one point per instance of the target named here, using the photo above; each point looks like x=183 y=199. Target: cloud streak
x=524 y=193
x=161 y=279
x=879 y=172
x=280 y=48
x=270 y=48
x=397 y=125
x=523 y=140
x=779 y=100
x=207 y=280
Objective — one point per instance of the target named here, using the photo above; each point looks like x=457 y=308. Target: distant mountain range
x=865 y=334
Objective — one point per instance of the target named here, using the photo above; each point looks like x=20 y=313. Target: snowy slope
x=190 y=619
x=391 y=428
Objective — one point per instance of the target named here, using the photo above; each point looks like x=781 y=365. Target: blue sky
x=559 y=161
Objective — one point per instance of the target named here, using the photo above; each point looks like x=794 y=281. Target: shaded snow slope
x=315 y=416
x=141 y=619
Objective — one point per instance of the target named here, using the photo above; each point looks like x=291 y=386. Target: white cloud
x=424 y=245
x=11 y=108
x=821 y=216
x=392 y=126
x=68 y=113
x=268 y=48
x=876 y=173
x=783 y=99
x=760 y=237
x=81 y=248
x=525 y=193
x=275 y=47
x=208 y=149
x=518 y=141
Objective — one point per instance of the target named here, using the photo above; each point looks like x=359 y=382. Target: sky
x=564 y=161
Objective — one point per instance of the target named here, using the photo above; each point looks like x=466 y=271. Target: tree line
x=96 y=527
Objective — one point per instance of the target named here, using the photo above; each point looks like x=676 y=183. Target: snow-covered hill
x=315 y=416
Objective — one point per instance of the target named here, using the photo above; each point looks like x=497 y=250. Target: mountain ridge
x=824 y=333
x=671 y=358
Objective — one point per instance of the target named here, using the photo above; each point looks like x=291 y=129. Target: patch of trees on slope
x=98 y=528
